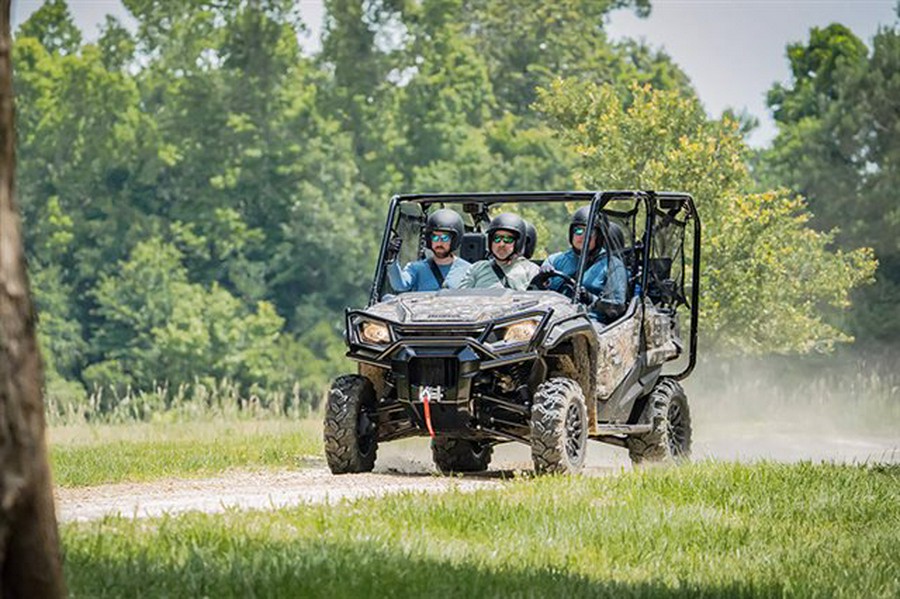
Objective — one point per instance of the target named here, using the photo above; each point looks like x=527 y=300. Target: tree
x=766 y=275
x=815 y=69
x=29 y=541
x=156 y=327
x=528 y=43
x=77 y=194
x=838 y=145
x=360 y=95
x=53 y=26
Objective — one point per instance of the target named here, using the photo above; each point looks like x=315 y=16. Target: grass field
x=84 y=455
x=708 y=529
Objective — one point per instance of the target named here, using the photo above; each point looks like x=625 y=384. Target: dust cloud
x=842 y=407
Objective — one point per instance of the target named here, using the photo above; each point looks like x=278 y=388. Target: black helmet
x=530 y=239
x=509 y=222
x=580 y=219
x=445 y=220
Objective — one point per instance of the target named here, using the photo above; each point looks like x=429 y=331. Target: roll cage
x=662 y=209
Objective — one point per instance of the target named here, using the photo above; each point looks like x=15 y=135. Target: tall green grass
x=83 y=455
x=717 y=530
x=204 y=399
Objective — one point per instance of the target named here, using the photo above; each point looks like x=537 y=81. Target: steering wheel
x=541 y=282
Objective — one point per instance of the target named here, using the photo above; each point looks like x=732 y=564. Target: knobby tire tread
x=348 y=395
x=653 y=447
x=548 y=427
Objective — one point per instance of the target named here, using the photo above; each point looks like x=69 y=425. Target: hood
x=468 y=305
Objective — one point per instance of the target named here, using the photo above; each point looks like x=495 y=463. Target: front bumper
x=438 y=373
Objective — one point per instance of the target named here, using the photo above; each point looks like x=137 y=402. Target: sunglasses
x=578 y=230
x=445 y=237
x=504 y=239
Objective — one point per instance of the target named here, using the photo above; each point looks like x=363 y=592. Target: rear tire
x=350 y=433
x=670 y=439
x=559 y=427
x=460 y=455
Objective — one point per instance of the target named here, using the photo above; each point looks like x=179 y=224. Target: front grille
x=434 y=372
x=474 y=334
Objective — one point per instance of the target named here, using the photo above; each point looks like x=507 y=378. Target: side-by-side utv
x=549 y=366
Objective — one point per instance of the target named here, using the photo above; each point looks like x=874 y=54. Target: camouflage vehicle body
x=452 y=364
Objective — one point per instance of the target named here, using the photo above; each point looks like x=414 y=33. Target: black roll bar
x=598 y=200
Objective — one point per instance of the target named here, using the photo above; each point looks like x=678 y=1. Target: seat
x=473 y=246
x=661 y=288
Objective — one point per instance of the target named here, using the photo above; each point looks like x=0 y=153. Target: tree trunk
x=29 y=541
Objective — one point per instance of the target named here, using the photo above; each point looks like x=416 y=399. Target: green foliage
x=201 y=200
x=815 y=69
x=734 y=530
x=52 y=25
x=116 y=44
x=766 y=275
x=155 y=326
x=838 y=145
x=528 y=43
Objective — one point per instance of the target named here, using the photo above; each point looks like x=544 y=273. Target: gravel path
x=405 y=466
x=246 y=490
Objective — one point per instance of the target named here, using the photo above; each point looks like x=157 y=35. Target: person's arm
x=457 y=273
x=402 y=280
x=527 y=271
x=468 y=280
x=594 y=281
x=606 y=294
x=519 y=274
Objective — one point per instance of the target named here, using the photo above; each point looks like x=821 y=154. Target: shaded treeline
x=839 y=145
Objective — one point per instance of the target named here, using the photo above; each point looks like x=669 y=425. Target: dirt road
x=406 y=467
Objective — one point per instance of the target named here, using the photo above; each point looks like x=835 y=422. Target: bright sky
x=733 y=50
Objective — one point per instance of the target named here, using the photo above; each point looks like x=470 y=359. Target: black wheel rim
x=574 y=433
x=676 y=429
x=365 y=432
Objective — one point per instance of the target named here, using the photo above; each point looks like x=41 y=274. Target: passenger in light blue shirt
x=606 y=277
x=444 y=270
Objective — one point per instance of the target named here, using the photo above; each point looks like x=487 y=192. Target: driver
x=507 y=266
x=604 y=279
x=444 y=270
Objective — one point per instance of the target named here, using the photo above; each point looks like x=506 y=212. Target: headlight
x=520 y=331
x=374 y=332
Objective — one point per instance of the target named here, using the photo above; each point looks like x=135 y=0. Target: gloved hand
x=586 y=297
x=609 y=310
x=393 y=249
x=547 y=267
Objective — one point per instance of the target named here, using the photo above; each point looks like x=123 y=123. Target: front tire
x=460 y=455
x=670 y=439
x=350 y=433
x=559 y=427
